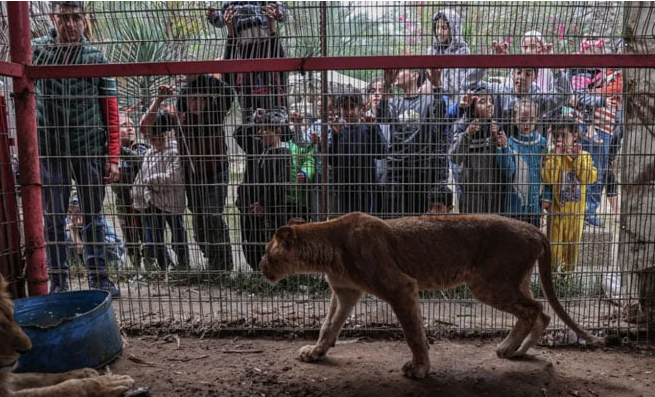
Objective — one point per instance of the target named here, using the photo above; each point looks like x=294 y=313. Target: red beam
x=28 y=153
x=11 y=69
x=341 y=63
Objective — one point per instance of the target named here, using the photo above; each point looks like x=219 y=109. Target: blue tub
x=68 y=330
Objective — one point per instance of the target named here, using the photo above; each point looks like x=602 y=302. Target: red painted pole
x=28 y=153
x=12 y=263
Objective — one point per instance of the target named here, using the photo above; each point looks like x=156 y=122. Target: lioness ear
x=286 y=234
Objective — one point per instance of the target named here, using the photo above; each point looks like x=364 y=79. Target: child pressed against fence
x=264 y=195
x=132 y=152
x=520 y=159
x=567 y=170
x=440 y=200
x=354 y=149
x=474 y=150
x=159 y=192
x=273 y=178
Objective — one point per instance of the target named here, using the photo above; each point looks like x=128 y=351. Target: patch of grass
x=568 y=286
x=312 y=285
x=460 y=292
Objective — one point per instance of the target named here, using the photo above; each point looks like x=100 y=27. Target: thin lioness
x=394 y=259
x=83 y=382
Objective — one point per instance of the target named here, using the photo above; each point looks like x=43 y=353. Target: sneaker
x=105 y=284
x=593 y=220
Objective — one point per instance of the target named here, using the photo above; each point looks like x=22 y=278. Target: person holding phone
x=474 y=151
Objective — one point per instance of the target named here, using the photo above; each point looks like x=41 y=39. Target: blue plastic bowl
x=69 y=330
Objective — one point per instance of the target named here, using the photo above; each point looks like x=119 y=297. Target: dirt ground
x=171 y=366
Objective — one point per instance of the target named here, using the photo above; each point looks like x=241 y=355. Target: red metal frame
x=20 y=48
x=338 y=63
x=12 y=263
x=11 y=69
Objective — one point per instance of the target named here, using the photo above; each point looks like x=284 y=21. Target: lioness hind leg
x=509 y=346
x=528 y=314
x=341 y=304
x=516 y=302
x=536 y=332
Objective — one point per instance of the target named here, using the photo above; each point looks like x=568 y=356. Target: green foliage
x=460 y=292
x=148 y=32
x=352 y=30
x=252 y=282
x=568 y=285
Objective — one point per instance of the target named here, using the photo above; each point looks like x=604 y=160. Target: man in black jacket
x=417 y=159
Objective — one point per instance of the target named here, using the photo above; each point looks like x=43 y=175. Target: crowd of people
x=537 y=145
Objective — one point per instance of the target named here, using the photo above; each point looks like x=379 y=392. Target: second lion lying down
x=85 y=382
x=394 y=259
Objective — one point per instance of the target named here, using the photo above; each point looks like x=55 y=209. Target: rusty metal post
x=12 y=260
x=28 y=153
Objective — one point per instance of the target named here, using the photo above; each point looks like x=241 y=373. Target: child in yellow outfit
x=567 y=170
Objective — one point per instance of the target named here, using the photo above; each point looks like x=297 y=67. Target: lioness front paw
x=81 y=373
x=113 y=385
x=415 y=371
x=310 y=353
x=509 y=354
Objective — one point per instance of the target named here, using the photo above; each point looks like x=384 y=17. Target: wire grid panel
x=249 y=151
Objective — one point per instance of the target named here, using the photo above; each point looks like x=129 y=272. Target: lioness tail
x=546 y=277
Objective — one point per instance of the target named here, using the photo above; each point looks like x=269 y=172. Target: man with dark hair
x=79 y=141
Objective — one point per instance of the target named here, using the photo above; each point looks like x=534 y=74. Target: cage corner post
x=25 y=104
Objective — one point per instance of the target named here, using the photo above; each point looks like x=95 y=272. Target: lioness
x=394 y=259
x=78 y=383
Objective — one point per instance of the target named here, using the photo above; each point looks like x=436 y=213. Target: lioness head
x=13 y=340
x=279 y=256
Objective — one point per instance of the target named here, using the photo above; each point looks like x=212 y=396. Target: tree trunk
x=636 y=248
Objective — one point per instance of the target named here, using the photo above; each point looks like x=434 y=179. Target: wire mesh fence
x=211 y=164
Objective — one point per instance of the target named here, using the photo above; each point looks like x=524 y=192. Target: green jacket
x=302 y=161
x=69 y=111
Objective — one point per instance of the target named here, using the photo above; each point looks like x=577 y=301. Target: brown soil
x=171 y=366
